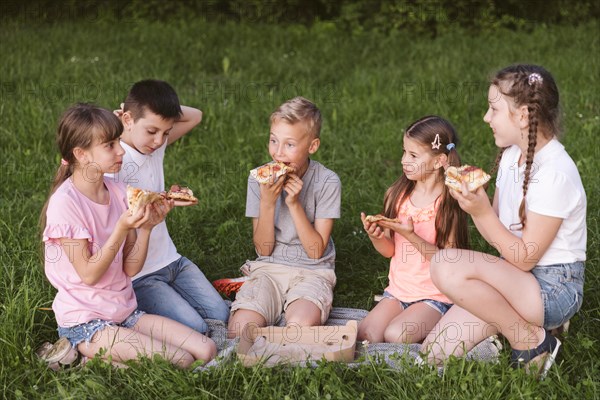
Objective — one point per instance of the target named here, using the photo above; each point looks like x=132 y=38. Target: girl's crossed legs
x=492 y=290
x=390 y=322
x=152 y=334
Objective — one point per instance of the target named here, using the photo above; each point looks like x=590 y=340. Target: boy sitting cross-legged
x=292 y=219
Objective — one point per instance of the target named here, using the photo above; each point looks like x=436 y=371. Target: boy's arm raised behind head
x=189 y=119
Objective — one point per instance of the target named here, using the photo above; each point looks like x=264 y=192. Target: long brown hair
x=534 y=87
x=450 y=220
x=80 y=126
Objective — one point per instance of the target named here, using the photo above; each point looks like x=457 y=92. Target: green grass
x=368 y=87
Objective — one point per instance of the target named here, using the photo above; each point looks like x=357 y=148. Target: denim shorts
x=562 y=291
x=86 y=331
x=439 y=306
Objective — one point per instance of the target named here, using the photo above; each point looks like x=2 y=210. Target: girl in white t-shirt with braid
x=537 y=222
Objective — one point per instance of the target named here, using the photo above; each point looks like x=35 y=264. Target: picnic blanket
x=389 y=353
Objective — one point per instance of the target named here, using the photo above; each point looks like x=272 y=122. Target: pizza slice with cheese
x=181 y=193
x=473 y=176
x=139 y=198
x=271 y=171
x=379 y=217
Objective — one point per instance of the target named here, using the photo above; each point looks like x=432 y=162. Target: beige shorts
x=273 y=287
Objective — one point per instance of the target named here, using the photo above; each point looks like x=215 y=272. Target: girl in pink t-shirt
x=92 y=249
x=429 y=219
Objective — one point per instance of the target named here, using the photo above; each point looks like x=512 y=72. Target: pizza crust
x=379 y=217
x=473 y=176
x=270 y=171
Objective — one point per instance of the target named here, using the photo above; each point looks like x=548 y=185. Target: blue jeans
x=181 y=292
x=562 y=291
x=439 y=306
x=86 y=331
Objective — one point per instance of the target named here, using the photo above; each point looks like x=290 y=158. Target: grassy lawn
x=368 y=87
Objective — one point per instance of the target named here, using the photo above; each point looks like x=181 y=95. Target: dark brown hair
x=155 y=96
x=450 y=218
x=80 y=126
x=534 y=87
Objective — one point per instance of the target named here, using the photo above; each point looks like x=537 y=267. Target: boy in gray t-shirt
x=292 y=219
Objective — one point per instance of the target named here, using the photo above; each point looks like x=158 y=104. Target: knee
x=303 y=320
x=305 y=314
x=208 y=350
x=396 y=334
x=369 y=333
x=433 y=353
x=243 y=319
x=184 y=360
x=438 y=351
x=443 y=269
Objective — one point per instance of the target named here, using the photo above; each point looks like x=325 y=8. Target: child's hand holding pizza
x=371 y=227
x=157 y=213
x=467 y=184
x=475 y=203
x=269 y=192
x=129 y=220
x=402 y=228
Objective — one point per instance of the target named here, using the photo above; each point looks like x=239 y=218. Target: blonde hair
x=300 y=109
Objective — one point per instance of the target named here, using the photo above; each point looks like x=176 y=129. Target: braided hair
x=534 y=87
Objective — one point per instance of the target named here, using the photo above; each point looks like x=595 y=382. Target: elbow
x=130 y=274
x=387 y=254
x=526 y=266
x=263 y=250
x=315 y=252
x=90 y=280
x=197 y=117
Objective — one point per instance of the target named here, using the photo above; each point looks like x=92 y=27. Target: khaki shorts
x=273 y=287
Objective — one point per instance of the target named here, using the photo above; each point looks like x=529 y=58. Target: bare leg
x=242 y=318
x=412 y=325
x=303 y=312
x=456 y=333
x=373 y=326
x=176 y=334
x=493 y=290
x=123 y=344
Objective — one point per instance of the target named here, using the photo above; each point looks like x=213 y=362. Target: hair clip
x=450 y=146
x=63 y=162
x=534 y=78
x=436 y=142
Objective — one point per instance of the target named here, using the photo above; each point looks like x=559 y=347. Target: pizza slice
x=139 y=198
x=181 y=193
x=379 y=217
x=271 y=170
x=473 y=176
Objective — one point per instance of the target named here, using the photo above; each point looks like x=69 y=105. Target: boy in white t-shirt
x=169 y=284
